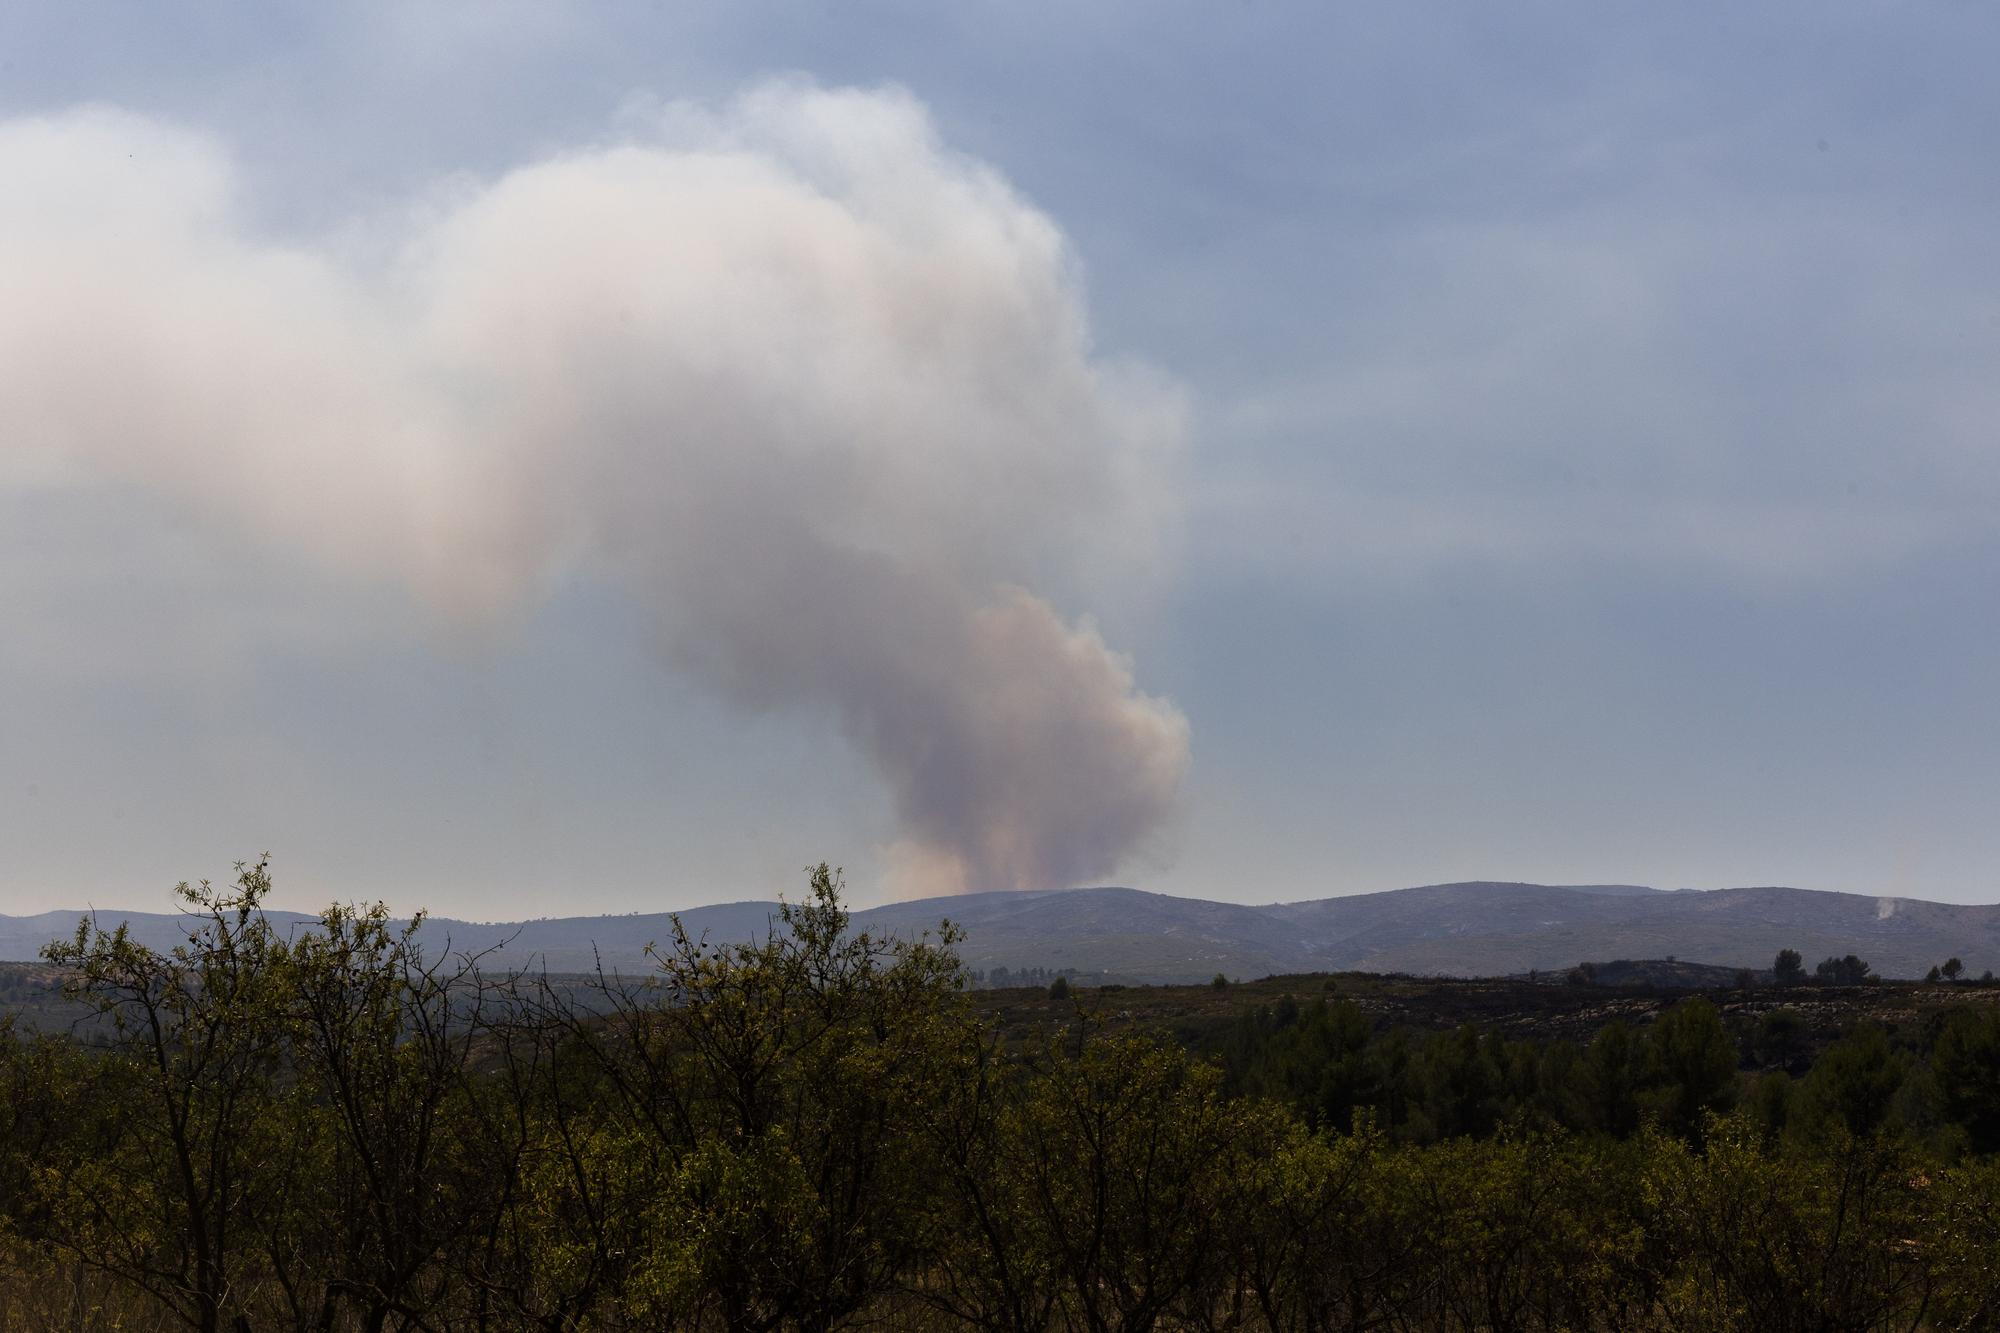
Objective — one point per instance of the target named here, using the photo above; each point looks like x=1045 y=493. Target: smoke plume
x=816 y=389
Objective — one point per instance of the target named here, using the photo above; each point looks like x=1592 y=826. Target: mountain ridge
x=1465 y=928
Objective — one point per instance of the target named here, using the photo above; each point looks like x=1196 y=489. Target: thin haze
x=1416 y=442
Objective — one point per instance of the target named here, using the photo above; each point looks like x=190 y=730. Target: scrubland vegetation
x=823 y=1130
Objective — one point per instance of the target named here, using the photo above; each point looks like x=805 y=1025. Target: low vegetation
x=825 y=1130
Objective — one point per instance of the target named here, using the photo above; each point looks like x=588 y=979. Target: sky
x=528 y=460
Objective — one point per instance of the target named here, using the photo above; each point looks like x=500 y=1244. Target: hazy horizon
x=293 y=904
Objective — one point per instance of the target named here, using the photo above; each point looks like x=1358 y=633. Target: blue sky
x=1583 y=465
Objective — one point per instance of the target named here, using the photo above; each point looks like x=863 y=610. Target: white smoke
x=819 y=390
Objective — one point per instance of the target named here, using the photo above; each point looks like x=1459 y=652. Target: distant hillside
x=1473 y=929
x=22 y=937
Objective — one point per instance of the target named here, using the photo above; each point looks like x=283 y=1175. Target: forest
x=822 y=1129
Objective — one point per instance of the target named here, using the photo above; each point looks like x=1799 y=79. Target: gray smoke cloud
x=817 y=389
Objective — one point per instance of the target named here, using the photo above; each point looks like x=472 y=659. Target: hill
x=1481 y=928
x=1468 y=929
